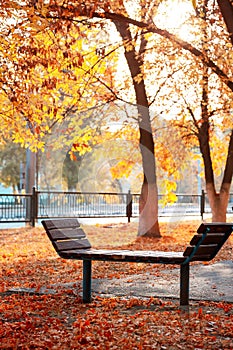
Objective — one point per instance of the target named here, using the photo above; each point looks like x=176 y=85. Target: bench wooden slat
x=60 y=223
x=215 y=227
x=206 y=257
x=212 y=238
x=125 y=256
x=202 y=250
x=66 y=233
x=71 y=244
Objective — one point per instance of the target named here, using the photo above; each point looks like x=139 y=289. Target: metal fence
x=43 y=204
x=16 y=208
x=79 y=204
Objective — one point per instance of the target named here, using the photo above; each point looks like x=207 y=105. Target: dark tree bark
x=226 y=8
x=148 y=205
x=218 y=200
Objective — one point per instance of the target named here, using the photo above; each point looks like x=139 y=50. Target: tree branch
x=83 y=11
x=226 y=9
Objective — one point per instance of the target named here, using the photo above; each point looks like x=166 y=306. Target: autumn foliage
x=60 y=60
x=52 y=315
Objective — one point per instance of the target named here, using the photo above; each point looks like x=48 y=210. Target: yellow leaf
x=194 y=3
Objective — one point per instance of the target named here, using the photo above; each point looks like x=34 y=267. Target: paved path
x=207 y=282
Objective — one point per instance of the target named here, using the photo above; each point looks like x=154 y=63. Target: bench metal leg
x=86 y=281
x=184 y=284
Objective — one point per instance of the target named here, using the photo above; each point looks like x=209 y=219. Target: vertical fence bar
x=34 y=207
x=129 y=205
x=202 y=208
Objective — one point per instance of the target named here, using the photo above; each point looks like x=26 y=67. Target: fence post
x=202 y=203
x=33 y=207
x=129 y=205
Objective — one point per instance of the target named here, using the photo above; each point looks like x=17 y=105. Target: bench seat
x=140 y=256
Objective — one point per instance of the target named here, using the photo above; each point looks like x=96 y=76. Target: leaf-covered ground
x=59 y=320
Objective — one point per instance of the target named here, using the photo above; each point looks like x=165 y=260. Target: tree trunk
x=148 y=203
x=148 y=209
x=218 y=202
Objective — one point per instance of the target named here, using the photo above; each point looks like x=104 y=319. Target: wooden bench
x=70 y=242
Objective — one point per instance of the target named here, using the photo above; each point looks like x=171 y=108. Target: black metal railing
x=15 y=208
x=87 y=204
x=43 y=204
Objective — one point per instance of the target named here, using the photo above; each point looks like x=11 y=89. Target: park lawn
x=58 y=319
